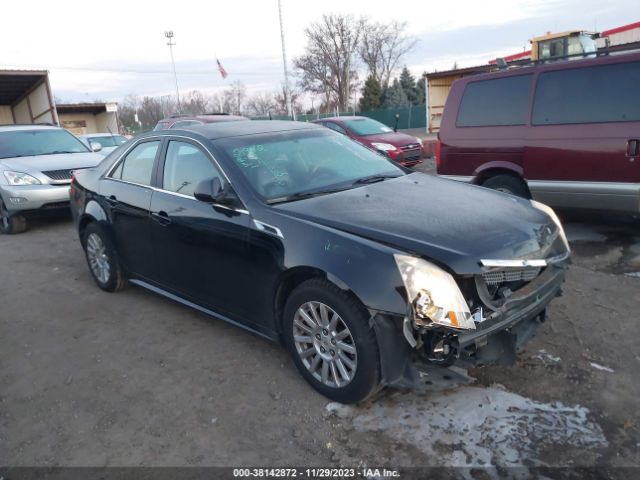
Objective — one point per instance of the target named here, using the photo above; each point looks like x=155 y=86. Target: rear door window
x=495 y=102
x=604 y=93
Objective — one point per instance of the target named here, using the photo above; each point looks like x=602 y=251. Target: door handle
x=112 y=200
x=161 y=217
x=633 y=148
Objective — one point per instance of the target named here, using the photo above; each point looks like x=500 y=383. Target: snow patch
x=597 y=366
x=473 y=426
x=546 y=357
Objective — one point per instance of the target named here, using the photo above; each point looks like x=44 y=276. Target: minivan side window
x=495 y=102
x=137 y=166
x=605 y=93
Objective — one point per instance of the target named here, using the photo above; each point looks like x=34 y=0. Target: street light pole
x=169 y=35
x=287 y=93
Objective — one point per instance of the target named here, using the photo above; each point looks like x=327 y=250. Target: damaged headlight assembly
x=549 y=211
x=433 y=294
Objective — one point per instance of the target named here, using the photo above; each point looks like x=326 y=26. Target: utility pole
x=169 y=35
x=287 y=93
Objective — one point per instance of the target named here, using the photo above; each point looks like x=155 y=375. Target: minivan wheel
x=101 y=258
x=507 y=184
x=11 y=224
x=331 y=342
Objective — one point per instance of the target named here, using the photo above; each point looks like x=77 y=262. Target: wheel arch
x=492 y=169
x=93 y=212
x=295 y=276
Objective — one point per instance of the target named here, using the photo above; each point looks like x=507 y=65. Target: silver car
x=36 y=162
x=104 y=143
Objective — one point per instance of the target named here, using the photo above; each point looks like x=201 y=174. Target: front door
x=200 y=248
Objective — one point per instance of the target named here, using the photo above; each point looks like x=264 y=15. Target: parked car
x=565 y=133
x=106 y=142
x=181 y=121
x=399 y=147
x=301 y=235
x=36 y=162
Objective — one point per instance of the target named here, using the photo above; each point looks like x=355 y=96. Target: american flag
x=221 y=69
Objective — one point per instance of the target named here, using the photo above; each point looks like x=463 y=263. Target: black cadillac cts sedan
x=369 y=274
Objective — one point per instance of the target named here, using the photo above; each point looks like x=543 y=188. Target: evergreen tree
x=395 y=96
x=420 y=91
x=408 y=83
x=371 y=93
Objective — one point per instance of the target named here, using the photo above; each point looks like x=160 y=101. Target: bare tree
x=261 y=104
x=329 y=64
x=382 y=47
x=195 y=103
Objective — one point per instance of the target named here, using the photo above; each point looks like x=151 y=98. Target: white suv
x=36 y=162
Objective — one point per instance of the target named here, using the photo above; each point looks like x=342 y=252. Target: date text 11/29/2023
x=292 y=472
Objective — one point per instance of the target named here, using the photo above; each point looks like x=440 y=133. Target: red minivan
x=564 y=133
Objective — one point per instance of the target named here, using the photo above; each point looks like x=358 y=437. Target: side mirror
x=212 y=191
x=95 y=146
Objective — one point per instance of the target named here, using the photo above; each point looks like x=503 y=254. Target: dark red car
x=565 y=133
x=181 y=121
x=399 y=147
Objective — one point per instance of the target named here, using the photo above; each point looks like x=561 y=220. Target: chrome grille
x=412 y=146
x=511 y=275
x=59 y=174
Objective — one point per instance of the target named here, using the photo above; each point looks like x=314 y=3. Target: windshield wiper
x=302 y=195
x=374 y=179
x=56 y=152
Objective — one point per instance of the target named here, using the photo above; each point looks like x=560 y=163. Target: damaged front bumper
x=440 y=357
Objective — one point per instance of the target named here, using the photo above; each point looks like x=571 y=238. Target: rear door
x=127 y=193
x=583 y=144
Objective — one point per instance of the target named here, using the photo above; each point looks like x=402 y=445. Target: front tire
x=331 y=342
x=507 y=184
x=11 y=224
x=102 y=259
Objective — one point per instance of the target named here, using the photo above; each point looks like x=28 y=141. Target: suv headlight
x=19 y=178
x=385 y=147
x=419 y=140
x=433 y=293
x=549 y=211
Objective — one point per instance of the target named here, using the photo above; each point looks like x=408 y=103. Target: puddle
x=606 y=248
x=474 y=426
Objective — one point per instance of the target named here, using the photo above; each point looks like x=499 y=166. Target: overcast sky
x=106 y=50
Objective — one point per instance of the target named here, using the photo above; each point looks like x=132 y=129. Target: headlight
x=19 y=178
x=419 y=140
x=433 y=293
x=385 y=147
x=549 y=211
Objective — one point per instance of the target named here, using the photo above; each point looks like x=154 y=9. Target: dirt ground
x=89 y=378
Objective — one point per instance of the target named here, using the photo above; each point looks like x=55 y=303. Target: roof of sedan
x=235 y=129
x=25 y=126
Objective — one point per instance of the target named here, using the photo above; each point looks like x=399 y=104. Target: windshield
x=110 y=141
x=287 y=164
x=23 y=143
x=366 y=126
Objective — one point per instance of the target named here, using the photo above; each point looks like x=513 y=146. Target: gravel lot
x=89 y=378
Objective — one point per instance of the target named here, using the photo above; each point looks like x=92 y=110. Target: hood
x=60 y=161
x=450 y=222
x=394 y=138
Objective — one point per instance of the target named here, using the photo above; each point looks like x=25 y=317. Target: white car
x=36 y=165
x=108 y=142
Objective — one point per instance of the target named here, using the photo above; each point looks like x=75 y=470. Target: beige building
x=25 y=97
x=85 y=118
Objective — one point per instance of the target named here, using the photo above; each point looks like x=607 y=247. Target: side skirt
x=200 y=308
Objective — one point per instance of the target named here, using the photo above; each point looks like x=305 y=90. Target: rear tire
x=11 y=224
x=331 y=342
x=102 y=259
x=507 y=184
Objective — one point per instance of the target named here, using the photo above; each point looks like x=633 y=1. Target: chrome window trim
x=263 y=227
x=124 y=154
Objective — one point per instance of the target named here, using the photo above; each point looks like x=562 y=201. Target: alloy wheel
x=98 y=258
x=325 y=344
